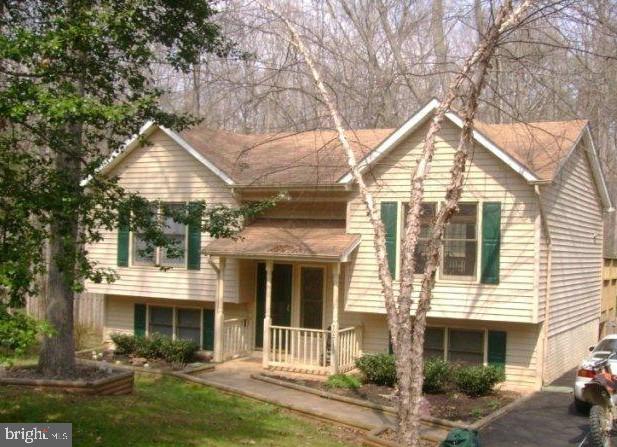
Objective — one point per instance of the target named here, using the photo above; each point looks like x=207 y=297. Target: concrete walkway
x=235 y=376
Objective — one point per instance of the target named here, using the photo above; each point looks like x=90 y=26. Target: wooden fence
x=88 y=310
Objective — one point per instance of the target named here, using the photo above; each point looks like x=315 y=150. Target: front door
x=280 y=310
x=311 y=297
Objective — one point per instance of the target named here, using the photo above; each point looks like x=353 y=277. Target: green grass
x=165 y=411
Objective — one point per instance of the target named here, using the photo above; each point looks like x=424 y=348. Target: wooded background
x=384 y=59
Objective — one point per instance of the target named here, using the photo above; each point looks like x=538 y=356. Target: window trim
x=439 y=276
x=175 y=319
x=157 y=250
x=464 y=278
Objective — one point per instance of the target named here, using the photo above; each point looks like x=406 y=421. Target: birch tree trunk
x=407 y=335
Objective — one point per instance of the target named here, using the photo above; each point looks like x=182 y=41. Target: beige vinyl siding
x=566 y=349
x=574 y=216
x=164 y=171
x=308 y=210
x=488 y=179
x=119 y=311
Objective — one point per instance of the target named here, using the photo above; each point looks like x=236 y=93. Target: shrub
x=156 y=347
x=378 y=368
x=177 y=351
x=125 y=344
x=343 y=381
x=478 y=380
x=149 y=347
x=436 y=375
x=19 y=333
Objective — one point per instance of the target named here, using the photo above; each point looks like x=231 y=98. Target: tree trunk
x=57 y=355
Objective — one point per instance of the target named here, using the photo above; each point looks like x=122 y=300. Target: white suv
x=603 y=349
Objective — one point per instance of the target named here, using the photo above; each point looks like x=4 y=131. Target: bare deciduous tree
x=408 y=333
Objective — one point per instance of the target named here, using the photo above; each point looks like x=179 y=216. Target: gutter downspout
x=549 y=265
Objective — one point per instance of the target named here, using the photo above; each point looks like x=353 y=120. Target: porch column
x=219 y=316
x=334 y=349
x=267 y=317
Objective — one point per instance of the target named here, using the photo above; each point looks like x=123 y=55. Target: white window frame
x=157 y=250
x=175 y=319
x=475 y=278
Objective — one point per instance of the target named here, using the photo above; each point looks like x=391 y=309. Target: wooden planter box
x=121 y=382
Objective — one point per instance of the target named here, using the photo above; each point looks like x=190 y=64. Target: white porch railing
x=237 y=337
x=309 y=350
x=349 y=348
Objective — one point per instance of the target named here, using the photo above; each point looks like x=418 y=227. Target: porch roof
x=308 y=239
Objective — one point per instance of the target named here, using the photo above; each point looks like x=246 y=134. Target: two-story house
x=519 y=282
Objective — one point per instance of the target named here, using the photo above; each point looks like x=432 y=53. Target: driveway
x=547 y=419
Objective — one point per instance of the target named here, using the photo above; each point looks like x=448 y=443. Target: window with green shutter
x=194 y=244
x=389 y=214
x=497 y=348
x=139 y=320
x=491 y=241
x=123 y=237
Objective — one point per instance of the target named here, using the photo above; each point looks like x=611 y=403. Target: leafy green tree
x=75 y=82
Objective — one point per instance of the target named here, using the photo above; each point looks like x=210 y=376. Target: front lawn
x=165 y=411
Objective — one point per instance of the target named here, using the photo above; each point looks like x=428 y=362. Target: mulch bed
x=390 y=435
x=453 y=406
x=82 y=372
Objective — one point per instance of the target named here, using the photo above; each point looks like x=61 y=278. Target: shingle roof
x=540 y=146
x=289 y=238
x=305 y=158
x=316 y=157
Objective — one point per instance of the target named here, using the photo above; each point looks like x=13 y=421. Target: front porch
x=276 y=333
x=295 y=320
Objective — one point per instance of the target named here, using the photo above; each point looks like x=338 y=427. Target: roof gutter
x=549 y=265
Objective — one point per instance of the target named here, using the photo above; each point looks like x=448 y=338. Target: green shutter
x=208 y=330
x=497 y=348
x=194 y=244
x=123 y=237
x=491 y=239
x=139 y=320
x=389 y=211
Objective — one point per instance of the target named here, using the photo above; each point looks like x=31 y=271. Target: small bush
x=436 y=376
x=343 y=381
x=177 y=351
x=19 y=333
x=478 y=380
x=378 y=368
x=125 y=344
x=149 y=347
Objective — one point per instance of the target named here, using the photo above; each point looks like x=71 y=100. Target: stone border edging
x=441 y=423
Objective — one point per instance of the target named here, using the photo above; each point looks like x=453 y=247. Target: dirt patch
x=452 y=405
x=390 y=435
x=82 y=372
